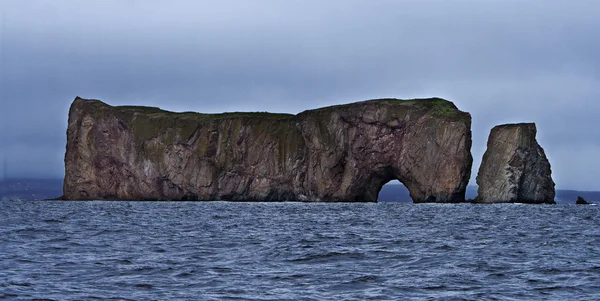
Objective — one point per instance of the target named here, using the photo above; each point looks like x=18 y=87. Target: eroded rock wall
x=340 y=153
x=514 y=167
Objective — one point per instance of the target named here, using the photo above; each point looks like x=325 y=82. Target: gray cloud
x=503 y=61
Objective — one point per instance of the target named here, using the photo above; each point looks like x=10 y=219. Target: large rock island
x=515 y=168
x=339 y=153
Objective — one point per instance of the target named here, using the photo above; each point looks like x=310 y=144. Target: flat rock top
x=437 y=107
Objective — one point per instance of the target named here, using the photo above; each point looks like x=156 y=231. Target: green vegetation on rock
x=434 y=106
x=172 y=128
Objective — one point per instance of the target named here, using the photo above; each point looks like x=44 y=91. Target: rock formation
x=581 y=201
x=338 y=153
x=515 y=167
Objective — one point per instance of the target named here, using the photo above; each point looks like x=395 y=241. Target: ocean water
x=102 y=250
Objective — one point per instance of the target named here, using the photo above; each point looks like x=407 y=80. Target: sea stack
x=340 y=153
x=581 y=201
x=514 y=168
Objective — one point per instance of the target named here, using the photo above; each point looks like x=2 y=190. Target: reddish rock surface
x=339 y=153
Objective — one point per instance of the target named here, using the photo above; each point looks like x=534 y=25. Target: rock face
x=339 y=153
x=515 y=167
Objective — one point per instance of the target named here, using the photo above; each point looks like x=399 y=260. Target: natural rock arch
x=339 y=153
x=394 y=191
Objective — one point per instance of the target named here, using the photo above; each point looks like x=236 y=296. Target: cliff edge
x=339 y=153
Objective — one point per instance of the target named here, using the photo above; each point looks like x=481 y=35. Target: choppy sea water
x=103 y=250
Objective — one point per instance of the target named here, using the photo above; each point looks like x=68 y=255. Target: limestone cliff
x=515 y=167
x=338 y=153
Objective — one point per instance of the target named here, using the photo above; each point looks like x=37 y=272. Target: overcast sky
x=502 y=61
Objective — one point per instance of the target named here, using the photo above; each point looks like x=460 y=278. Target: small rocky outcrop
x=515 y=167
x=340 y=153
x=581 y=201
